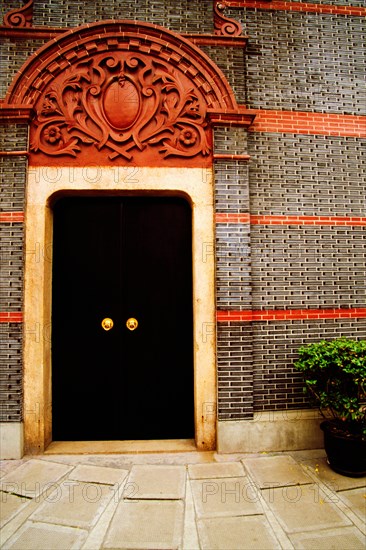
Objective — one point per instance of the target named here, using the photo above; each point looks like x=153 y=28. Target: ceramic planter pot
x=346 y=453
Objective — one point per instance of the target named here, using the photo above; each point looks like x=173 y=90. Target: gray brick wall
x=12 y=183
x=12 y=190
x=13 y=54
x=277 y=386
x=235 y=370
x=11 y=244
x=231 y=177
x=307 y=175
x=304 y=61
x=11 y=299
x=183 y=16
x=10 y=373
x=13 y=137
x=233 y=267
x=231 y=62
x=295 y=267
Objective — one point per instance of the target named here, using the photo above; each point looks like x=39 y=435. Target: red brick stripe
x=291 y=220
x=297 y=6
x=298 y=122
x=11 y=317
x=223 y=156
x=11 y=217
x=290 y=314
x=232 y=218
x=307 y=220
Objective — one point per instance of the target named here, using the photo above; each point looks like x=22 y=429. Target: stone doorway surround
x=81 y=142
x=44 y=184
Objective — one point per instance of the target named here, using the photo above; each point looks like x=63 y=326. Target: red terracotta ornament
x=123 y=103
x=20 y=17
x=225 y=26
x=122 y=93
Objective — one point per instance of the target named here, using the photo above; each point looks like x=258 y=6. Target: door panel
x=122 y=257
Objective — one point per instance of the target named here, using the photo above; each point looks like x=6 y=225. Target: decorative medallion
x=122 y=103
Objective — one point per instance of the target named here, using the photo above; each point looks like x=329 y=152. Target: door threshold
x=120 y=447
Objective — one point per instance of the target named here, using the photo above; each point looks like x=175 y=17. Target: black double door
x=122 y=258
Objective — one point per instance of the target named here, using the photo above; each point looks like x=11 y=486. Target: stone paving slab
x=336 y=482
x=146 y=524
x=275 y=471
x=33 y=477
x=98 y=474
x=304 y=508
x=42 y=536
x=214 y=470
x=236 y=533
x=324 y=512
x=235 y=496
x=9 y=506
x=330 y=539
x=7 y=466
x=356 y=500
x=74 y=504
x=156 y=482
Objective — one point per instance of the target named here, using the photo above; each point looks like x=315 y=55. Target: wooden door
x=122 y=258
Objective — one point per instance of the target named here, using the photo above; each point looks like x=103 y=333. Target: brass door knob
x=132 y=323
x=107 y=323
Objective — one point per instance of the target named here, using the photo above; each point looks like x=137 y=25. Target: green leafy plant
x=335 y=380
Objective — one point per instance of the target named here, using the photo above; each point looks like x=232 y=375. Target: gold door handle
x=132 y=323
x=107 y=323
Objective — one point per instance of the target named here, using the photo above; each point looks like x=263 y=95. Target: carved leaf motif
x=121 y=102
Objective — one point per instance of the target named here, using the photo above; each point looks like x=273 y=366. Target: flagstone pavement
x=180 y=501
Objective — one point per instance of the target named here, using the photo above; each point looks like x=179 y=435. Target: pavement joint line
x=37 y=497
x=98 y=533
x=16 y=495
x=190 y=533
x=348 y=489
x=338 y=502
x=277 y=529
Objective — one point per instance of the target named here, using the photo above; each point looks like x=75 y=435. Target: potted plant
x=335 y=380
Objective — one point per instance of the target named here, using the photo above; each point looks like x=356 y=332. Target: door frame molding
x=44 y=184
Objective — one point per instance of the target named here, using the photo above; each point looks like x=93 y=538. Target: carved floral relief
x=123 y=104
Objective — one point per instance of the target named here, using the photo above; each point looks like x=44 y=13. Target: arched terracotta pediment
x=121 y=92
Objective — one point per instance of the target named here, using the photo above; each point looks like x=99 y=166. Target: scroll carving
x=20 y=17
x=122 y=103
x=224 y=26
